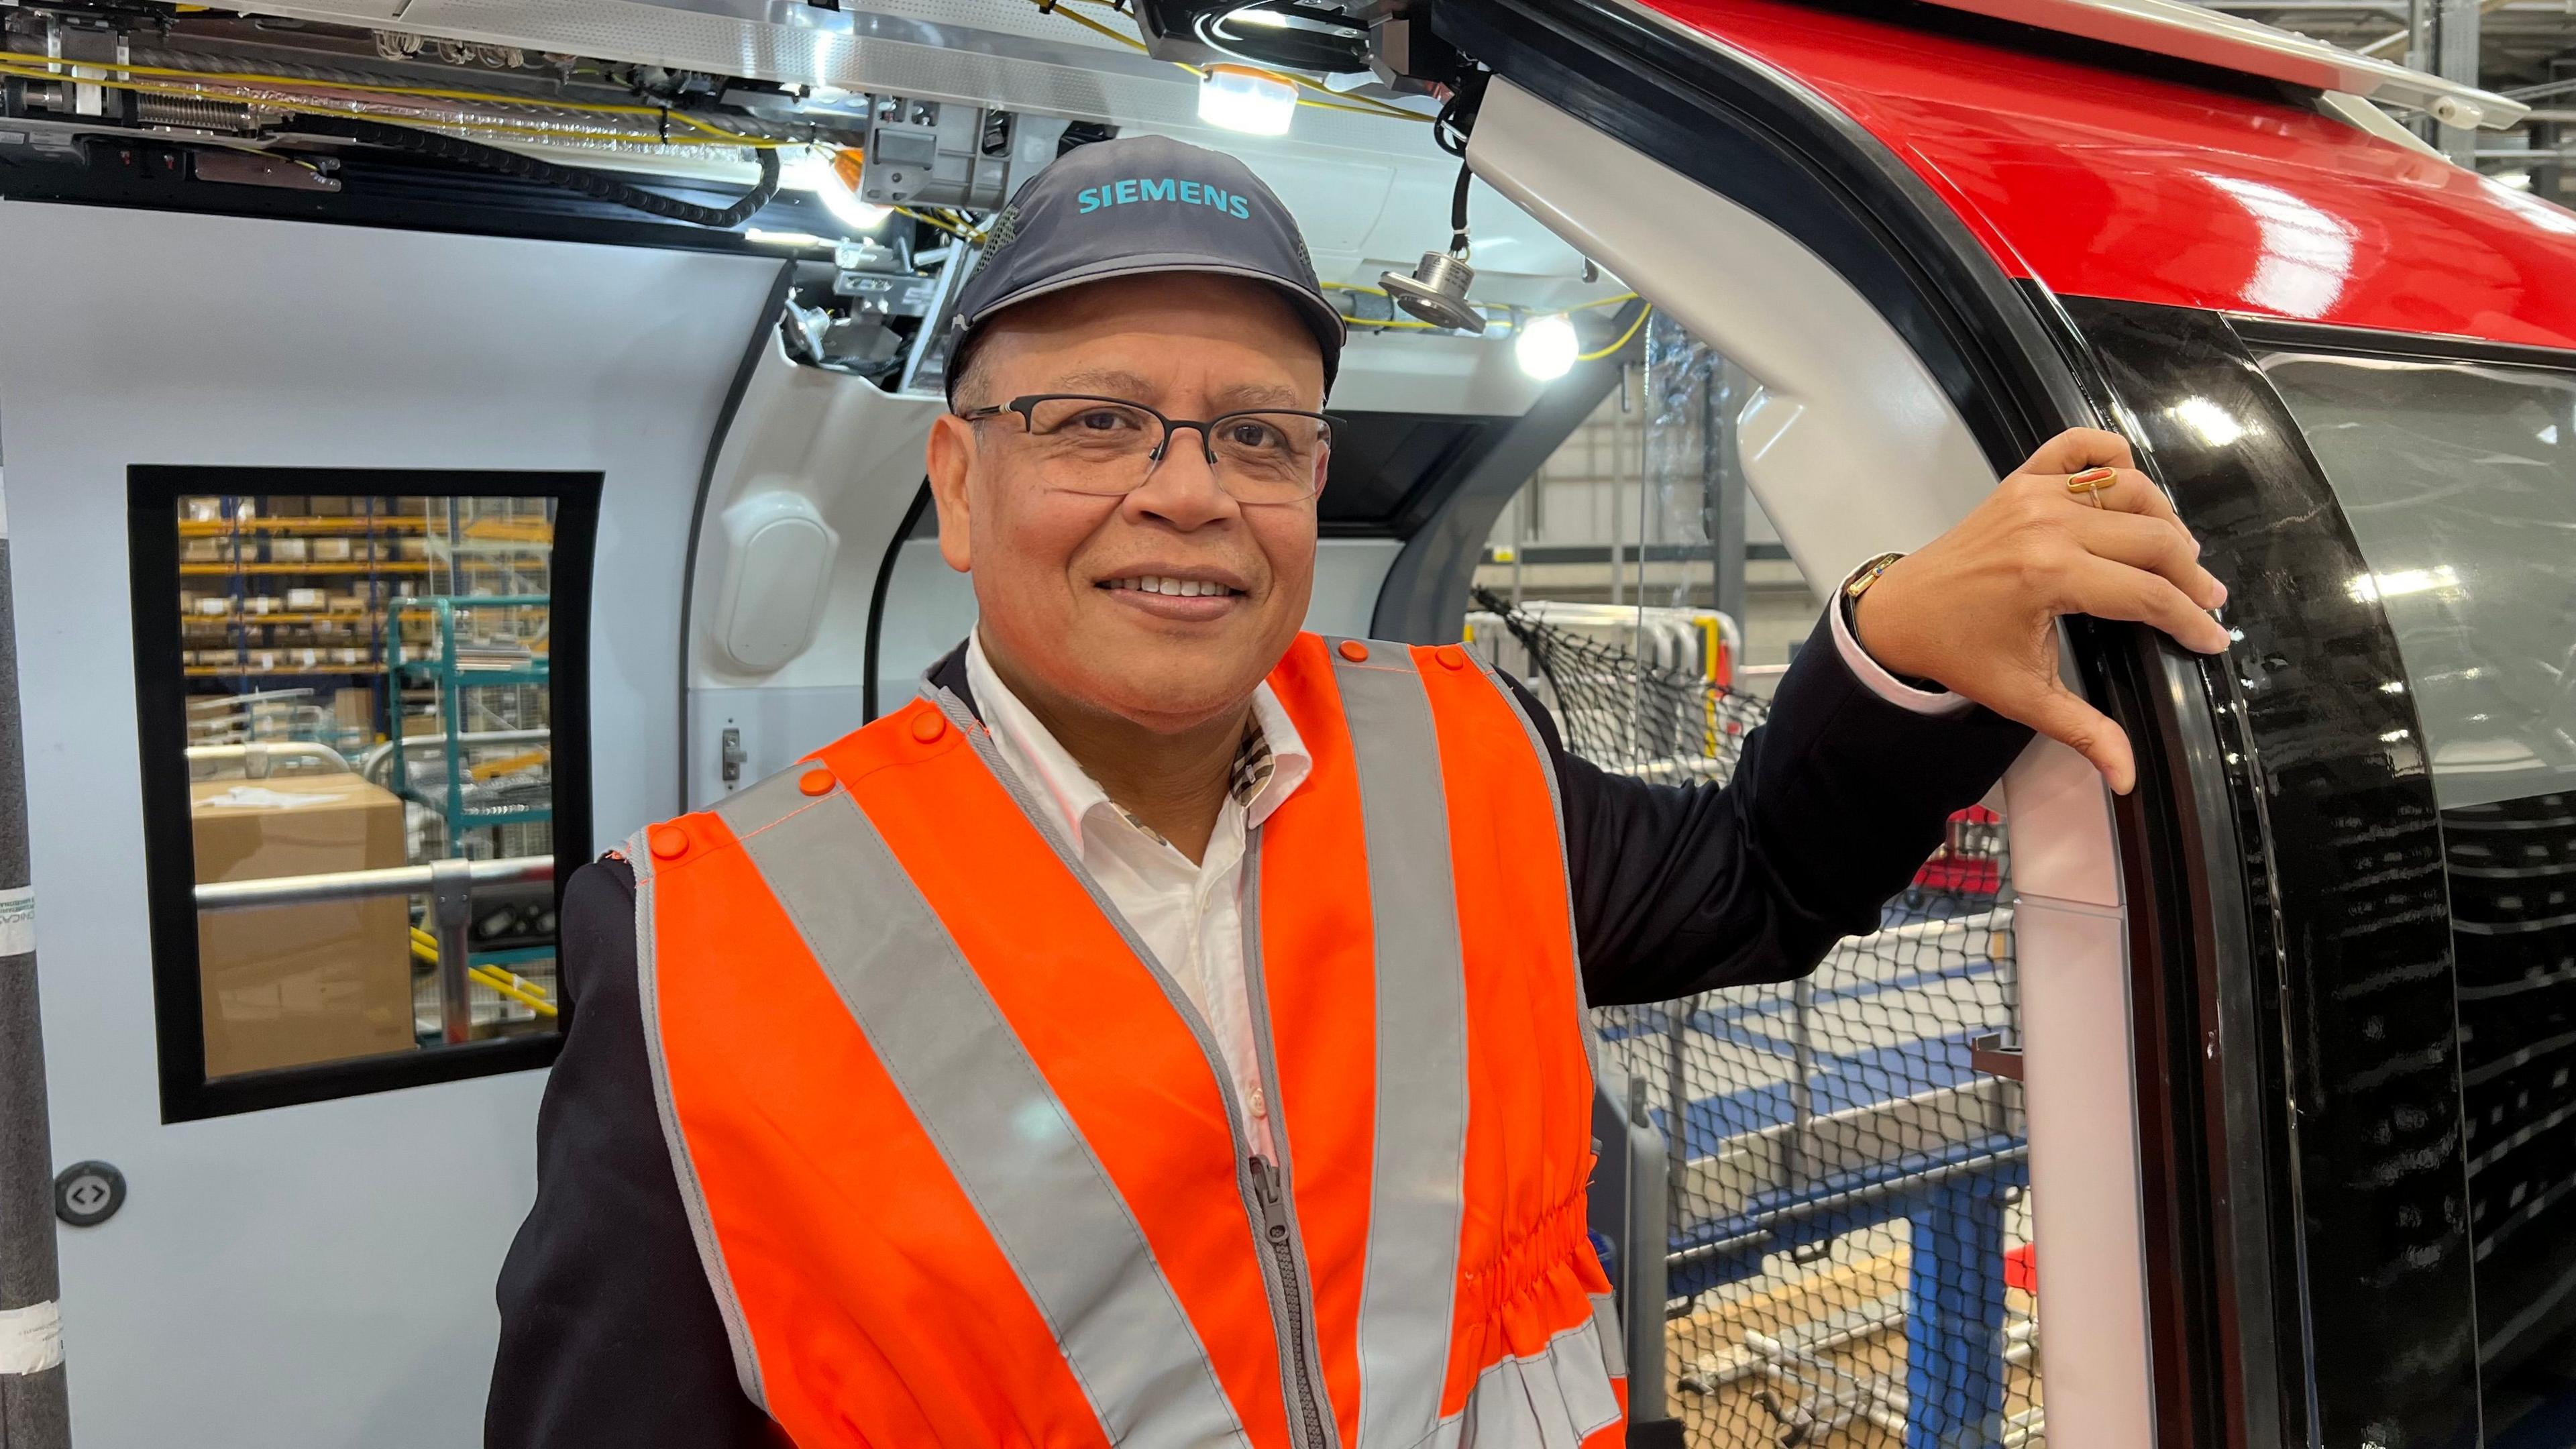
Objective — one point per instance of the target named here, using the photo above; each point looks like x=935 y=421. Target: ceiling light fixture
x=1547 y=347
x=832 y=174
x=1239 y=98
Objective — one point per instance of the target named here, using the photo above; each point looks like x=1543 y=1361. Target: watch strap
x=1856 y=584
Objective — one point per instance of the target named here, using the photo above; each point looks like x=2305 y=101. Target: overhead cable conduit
x=528 y=168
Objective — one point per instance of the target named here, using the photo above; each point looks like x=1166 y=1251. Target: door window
x=2459 y=479
x=359 y=772
x=2460 y=482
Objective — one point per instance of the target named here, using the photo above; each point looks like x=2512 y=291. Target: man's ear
x=950 y=460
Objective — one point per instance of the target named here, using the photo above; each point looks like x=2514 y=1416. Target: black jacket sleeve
x=609 y=1330
x=1835 y=803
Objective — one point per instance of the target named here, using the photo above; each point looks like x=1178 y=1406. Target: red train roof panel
x=2101 y=183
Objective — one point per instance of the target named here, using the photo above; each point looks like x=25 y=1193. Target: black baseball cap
x=1134 y=206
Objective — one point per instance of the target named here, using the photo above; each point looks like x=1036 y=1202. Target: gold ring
x=2091 y=482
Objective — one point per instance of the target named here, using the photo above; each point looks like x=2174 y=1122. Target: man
x=1168 y=1031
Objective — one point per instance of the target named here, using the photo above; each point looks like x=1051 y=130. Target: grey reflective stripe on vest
x=1416 y=1197
x=1014 y=1149
x=1552 y=1399
x=693 y=1197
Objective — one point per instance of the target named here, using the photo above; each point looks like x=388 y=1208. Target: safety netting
x=1850 y=1259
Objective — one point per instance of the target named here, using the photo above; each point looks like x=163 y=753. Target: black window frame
x=2304 y=774
x=2498 y=1359
x=153 y=492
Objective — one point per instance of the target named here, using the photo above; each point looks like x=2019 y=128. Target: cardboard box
x=293 y=985
x=354 y=709
x=306 y=601
x=289 y=550
x=333 y=550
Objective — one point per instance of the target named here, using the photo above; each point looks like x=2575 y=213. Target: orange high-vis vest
x=965 y=1167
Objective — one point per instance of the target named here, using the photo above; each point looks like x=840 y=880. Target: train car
x=443 y=435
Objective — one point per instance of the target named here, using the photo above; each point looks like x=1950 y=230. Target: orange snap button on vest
x=669 y=842
x=1450 y=656
x=1353 y=650
x=928 y=726
x=816 y=781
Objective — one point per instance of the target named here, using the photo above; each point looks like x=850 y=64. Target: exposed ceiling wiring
x=357 y=111
x=970 y=237
x=1624 y=337
x=302 y=91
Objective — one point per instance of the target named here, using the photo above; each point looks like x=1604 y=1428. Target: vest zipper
x=1265 y=1209
x=1283 y=1257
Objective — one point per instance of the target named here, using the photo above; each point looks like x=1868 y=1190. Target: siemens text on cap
x=1194 y=193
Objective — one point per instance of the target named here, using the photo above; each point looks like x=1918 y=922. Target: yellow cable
x=1623 y=338
x=975 y=238
x=307 y=83
x=1603 y=302
x=1087 y=23
x=1361 y=104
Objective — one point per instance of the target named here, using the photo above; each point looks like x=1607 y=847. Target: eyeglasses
x=1108 y=445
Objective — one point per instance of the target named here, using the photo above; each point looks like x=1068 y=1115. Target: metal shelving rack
x=452 y=680
x=246 y=533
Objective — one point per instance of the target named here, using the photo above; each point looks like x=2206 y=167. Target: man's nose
x=1181 y=489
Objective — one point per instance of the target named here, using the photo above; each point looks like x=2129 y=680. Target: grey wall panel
x=776 y=726
x=318 y=1275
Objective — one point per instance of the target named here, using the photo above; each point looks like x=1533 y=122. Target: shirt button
x=1259 y=1104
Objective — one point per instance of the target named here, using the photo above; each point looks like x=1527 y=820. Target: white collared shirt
x=1189 y=916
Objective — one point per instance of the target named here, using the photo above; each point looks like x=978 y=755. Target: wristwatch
x=1864 y=576
x=1857 y=584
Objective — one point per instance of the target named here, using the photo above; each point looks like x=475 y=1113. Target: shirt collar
x=1059 y=780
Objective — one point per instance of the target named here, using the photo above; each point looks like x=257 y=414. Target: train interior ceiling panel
x=443 y=436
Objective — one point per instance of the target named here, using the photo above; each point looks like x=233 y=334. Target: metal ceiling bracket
x=1437 y=292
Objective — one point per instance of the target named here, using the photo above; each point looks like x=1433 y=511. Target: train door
x=1982 y=1141
x=278 y=489
x=2393 y=752
x=2291 y=1080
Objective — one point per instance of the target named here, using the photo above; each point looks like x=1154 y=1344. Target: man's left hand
x=1976 y=609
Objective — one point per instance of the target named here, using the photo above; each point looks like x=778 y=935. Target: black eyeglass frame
x=1026 y=405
